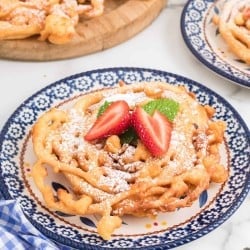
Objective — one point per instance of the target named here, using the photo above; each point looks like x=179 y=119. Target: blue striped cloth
x=16 y=232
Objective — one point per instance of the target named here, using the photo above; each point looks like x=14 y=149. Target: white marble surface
x=160 y=46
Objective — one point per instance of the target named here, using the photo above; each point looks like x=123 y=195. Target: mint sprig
x=129 y=137
x=166 y=106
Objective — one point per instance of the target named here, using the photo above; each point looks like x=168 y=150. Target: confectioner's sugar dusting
x=131 y=98
x=182 y=135
x=185 y=156
x=116 y=180
x=69 y=138
x=202 y=142
x=98 y=194
x=175 y=96
x=27 y=15
x=72 y=142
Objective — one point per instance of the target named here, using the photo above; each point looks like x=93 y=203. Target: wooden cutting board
x=121 y=20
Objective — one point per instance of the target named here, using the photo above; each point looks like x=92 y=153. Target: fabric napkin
x=16 y=232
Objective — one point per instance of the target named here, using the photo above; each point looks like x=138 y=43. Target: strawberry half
x=246 y=13
x=114 y=121
x=154 y=131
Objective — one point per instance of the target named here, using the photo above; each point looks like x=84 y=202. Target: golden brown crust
x=51 y=20
x=234 y=27
x=112 y=179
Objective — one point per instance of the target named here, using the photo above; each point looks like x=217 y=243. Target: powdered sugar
x=131 y=98
x=68 y=140
x=116 y=180
x=98 y=194
x=120 y=169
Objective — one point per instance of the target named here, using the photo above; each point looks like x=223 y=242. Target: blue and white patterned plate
x=204 y=41
x=168 y=230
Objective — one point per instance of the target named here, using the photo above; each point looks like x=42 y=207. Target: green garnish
x=167 y=107
x=102 y=109
x=129 y=137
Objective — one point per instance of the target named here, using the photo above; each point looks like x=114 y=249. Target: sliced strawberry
x=114 y=121
x=246 y=13
x=154 y=131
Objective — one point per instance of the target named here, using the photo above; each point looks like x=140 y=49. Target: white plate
x=204 y=41
x=168 y=230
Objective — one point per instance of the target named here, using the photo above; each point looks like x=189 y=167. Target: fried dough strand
x=113 y=179
x=234 y=26
x=51 y=20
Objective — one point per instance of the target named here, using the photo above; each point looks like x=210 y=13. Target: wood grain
x=121 y=20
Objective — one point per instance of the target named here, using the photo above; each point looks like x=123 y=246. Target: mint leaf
x=102 y=109
x=167 y=107
x=129 y=136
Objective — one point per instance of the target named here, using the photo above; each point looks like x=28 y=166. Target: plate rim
x=198 y=56
x=210 y=227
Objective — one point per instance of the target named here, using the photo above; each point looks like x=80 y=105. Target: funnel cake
x=112 y=177
x=52 y=20
x=234 y=26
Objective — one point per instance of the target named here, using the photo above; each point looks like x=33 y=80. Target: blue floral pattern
x=195 y=21
x=12 y=147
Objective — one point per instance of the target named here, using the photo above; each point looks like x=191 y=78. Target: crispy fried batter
x=51 y=19
x=113 y=179
x=234 y=27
